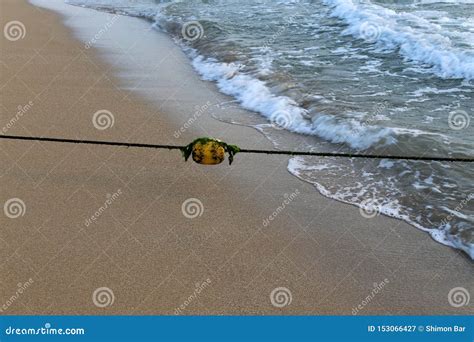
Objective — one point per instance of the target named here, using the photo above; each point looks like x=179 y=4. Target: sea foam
x=283 y=111
x=388 y=29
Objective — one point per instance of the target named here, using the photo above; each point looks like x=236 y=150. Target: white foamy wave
x=284 y=112
x=427 y=2
x=353 y=132
x=427 y=44
x=311 y=173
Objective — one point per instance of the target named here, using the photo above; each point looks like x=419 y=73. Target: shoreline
x=322 y=250
x=214 y=73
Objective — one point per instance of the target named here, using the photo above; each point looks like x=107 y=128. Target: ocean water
x=386 y=77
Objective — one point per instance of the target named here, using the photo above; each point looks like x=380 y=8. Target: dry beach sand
x=150 y=257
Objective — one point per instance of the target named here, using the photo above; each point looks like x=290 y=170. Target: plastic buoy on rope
x=209 y=151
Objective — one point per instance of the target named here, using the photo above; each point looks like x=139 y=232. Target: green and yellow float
x=209 y=151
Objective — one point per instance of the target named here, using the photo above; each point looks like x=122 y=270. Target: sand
x=106 y=217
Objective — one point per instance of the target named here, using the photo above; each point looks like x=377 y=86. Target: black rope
x=243 y=150
x=90 y=142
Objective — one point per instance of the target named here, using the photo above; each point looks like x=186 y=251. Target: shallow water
x=394 y=77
